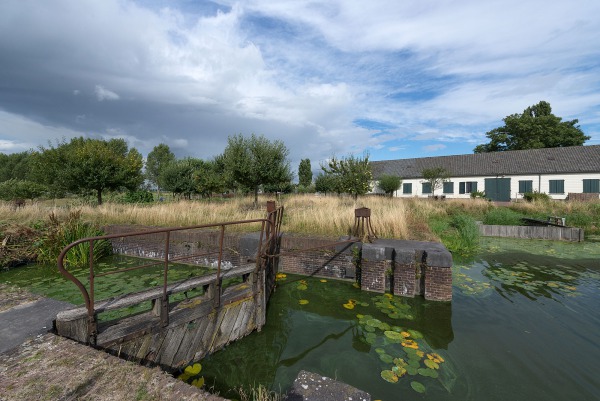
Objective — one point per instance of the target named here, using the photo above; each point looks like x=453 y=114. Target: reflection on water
x=524 y=324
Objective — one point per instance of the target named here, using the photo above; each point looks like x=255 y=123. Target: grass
x=330 y=216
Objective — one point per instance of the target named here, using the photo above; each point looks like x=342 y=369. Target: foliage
x=209 y=178
x=389 y=183
x=436 y=176
x=86 y=164
x=260 y=393
x=157 y=160
x=140 y=196
x=326 y=183
x=478 y=194
x=535 y=128
x=179 y=176
x=503 y=216
x=301 y=189
x=352 y=174
x=60 y=233
x=15 y=166
x=459 y=233
x=255 y=161
x=536 y=197
x=20 y=189
x=305 y=174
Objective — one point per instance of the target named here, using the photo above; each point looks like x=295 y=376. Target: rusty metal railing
x=270 y=229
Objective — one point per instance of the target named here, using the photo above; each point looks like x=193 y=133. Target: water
x=524 y=324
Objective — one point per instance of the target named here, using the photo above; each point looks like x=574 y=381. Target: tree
x=157 y=160
x=435 y=176
x=15 y=165
x=535 y=128
x=304 y=173
x=179 y=176
x=89 y=165
x=208 y=178
x=20 y=189
x=255 y=161
x=326 y=183
x=352 y=174
x=389 y=183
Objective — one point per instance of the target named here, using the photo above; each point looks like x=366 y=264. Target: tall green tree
x=157 y=160
x=535 y=128
x=305 y=173
x=327 y=183
x=389 y=183
x=436 y=177
x=14 y=189
x=179 y=176
x=209 y=178
x=352 y=174
x=15 y=166
x=255 y=161
x=85 y=164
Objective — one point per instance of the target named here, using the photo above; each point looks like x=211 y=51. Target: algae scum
x=524 y=324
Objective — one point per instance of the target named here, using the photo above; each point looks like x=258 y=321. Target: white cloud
x=105 y=94
x=434 y=148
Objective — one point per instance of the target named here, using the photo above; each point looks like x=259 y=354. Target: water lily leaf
x=380 y=350
x=359 y=316
x=193 y=369
x=385 y=358
x=399 y=371
x=302 y=287
x=431 y=364
x=411 y=370
x=418 y=387
x=374 y=322
x=303 y=301
x=389 y=376
x=349 y=306
x=323 y=280
x=198 y=382
x=415 y=334
x=393 y=335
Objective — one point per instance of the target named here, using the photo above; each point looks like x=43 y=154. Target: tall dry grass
x=330 y=216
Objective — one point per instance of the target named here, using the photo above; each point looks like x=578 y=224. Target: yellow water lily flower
x=410 y=344
x=348 y=305
x=405 y=334
x=323 y=280
x=303 y=301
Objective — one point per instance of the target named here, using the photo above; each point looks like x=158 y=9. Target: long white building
x=501 y=175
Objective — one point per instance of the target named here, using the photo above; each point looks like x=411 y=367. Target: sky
x=391 y=79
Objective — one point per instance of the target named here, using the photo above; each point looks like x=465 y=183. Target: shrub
x=60 y=233
x=139 y=196
x=478 y=194
x=536 y=196
x=503 y=216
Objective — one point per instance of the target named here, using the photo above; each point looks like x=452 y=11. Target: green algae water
x=524 y=324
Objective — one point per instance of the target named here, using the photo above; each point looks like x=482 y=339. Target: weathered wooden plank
x=184 y=356
x=230 y=317
x=154 y=293
x=172 y=345
x=533 y=232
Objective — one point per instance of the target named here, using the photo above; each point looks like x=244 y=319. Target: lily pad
x=399 y=371
x=431 y=364
x=348 y=306
x=385 y=358
x=428 y=373
x=303 y=301
x=302 y=287
x=193 y=369
x=389 y=376
x=393 y=335
x=415 y=334
x=198 y=382
x=418 y=387
x=411 y=370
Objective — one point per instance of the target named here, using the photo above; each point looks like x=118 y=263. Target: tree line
x=93 y=167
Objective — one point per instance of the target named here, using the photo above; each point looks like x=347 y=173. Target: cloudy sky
x=395 y=79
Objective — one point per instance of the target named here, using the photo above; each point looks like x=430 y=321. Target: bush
x=536 y=196
x=60 y=233
x=140 y=196
x=503 y=216
x=478 y=194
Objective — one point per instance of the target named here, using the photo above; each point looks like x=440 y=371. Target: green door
x=497 y=189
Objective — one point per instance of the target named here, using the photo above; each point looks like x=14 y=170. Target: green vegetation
x=535 y=128
x=503 y=216
x=436 y=177
x=157 y=160
x=351 y=175
x=305 y=173
x=58 y=233
x=536 y=197
x=389 y=183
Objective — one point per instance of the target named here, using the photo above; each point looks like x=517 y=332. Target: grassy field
x=332 y=216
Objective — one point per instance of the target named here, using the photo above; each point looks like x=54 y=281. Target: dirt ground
x=49 y=367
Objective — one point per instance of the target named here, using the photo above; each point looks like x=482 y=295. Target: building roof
x=572 y=159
